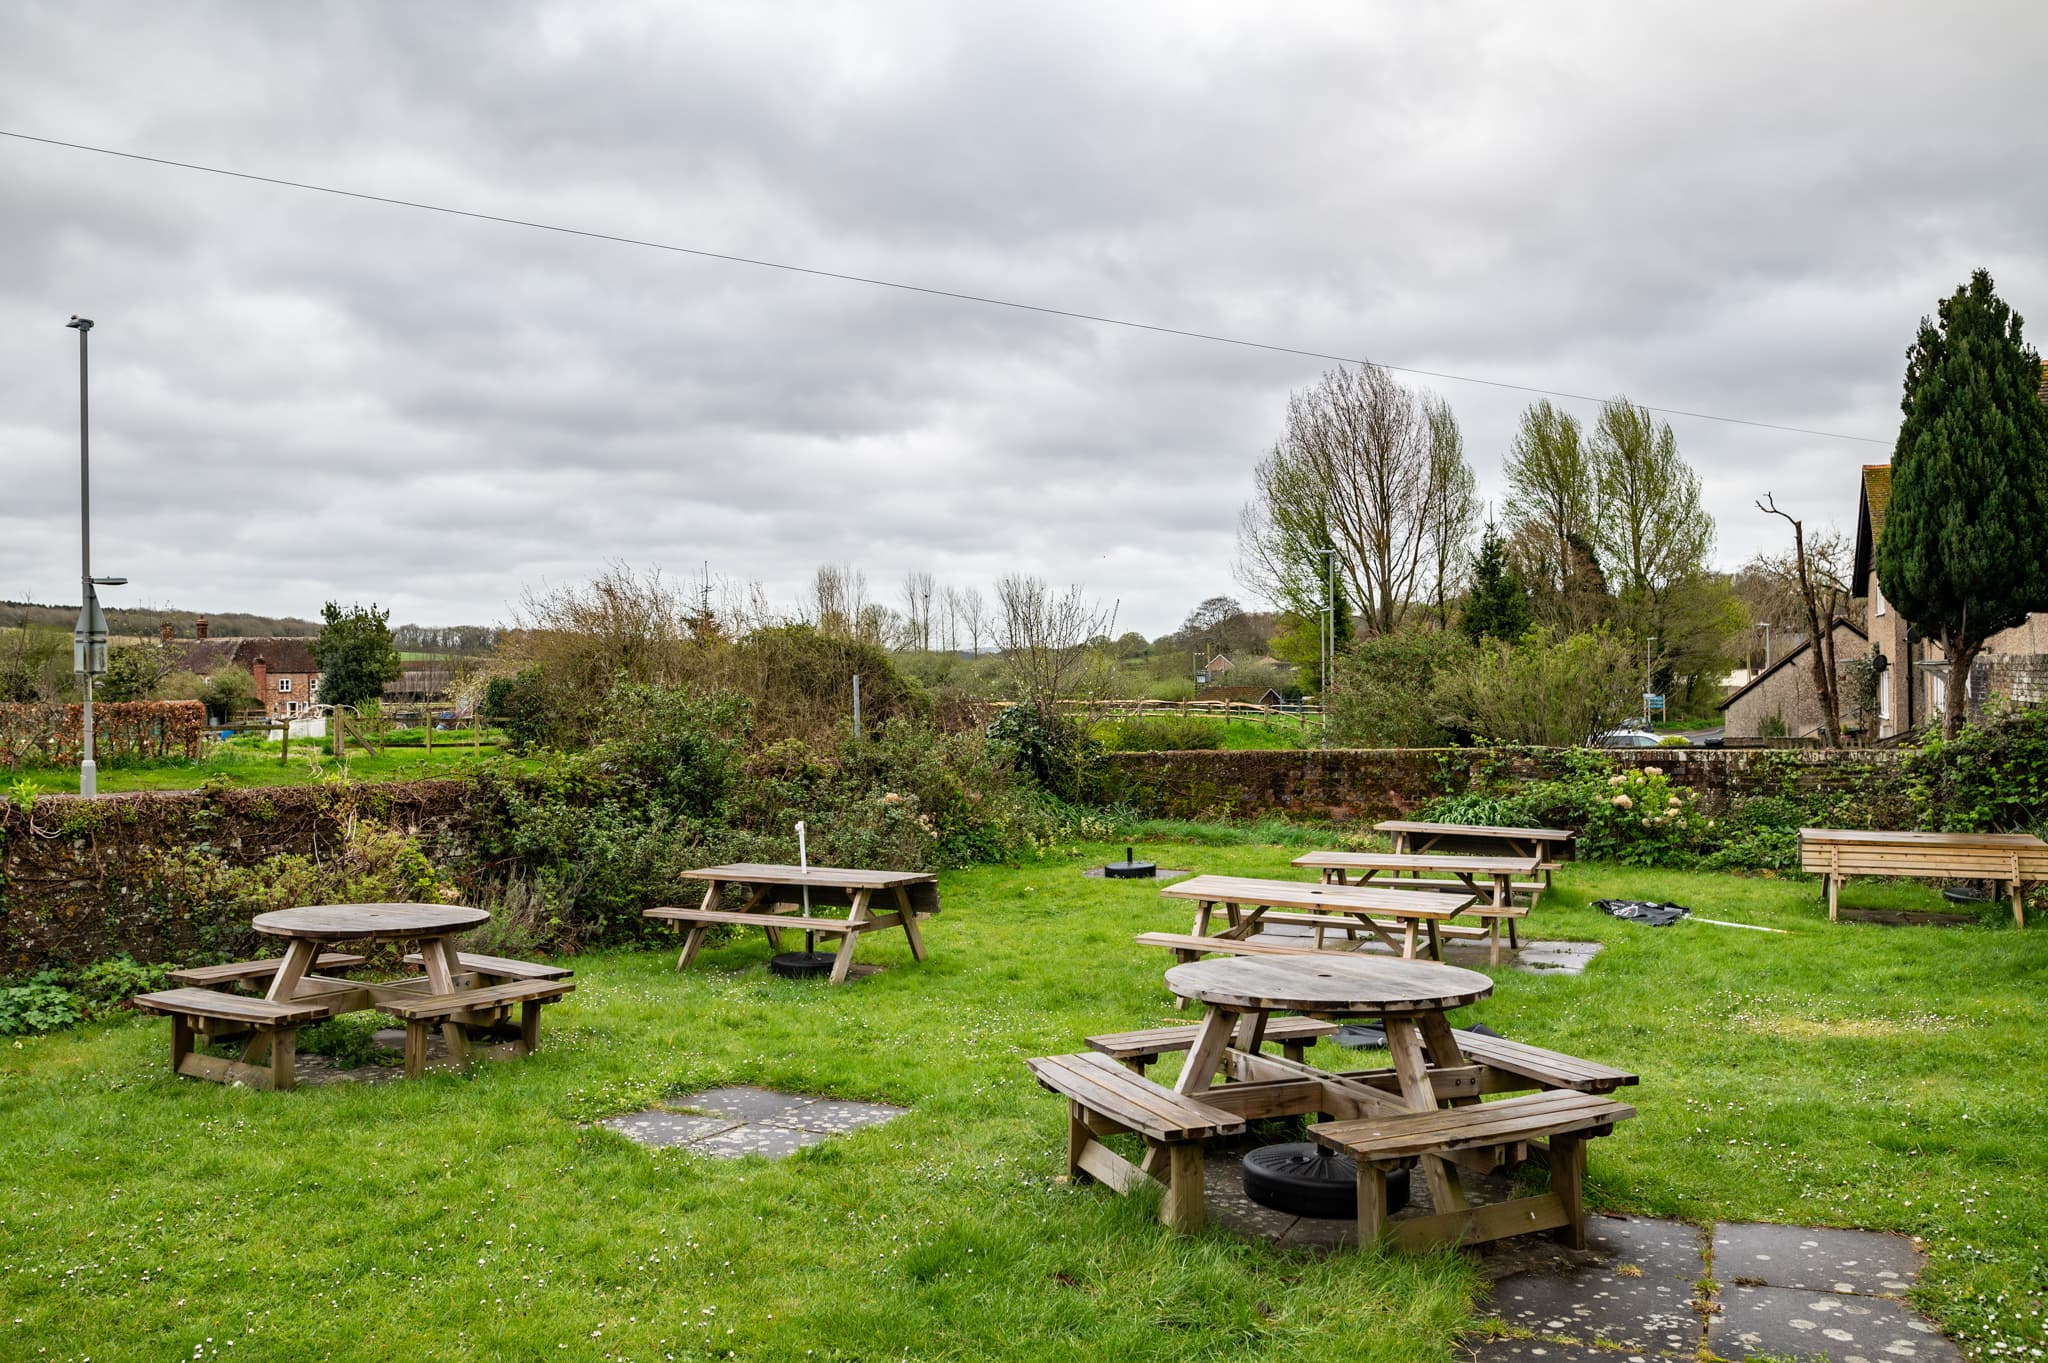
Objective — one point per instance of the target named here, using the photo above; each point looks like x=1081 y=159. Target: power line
x=930 y=292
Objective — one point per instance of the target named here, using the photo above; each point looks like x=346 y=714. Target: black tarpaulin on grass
x=1643 y=911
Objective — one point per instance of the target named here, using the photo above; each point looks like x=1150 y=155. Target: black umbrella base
x=803 y=965
x=1130 y=870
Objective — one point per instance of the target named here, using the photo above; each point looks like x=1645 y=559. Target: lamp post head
x=80 y=323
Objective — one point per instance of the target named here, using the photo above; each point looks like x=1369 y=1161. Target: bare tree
x=1362 y=471
x=974 y=616
x=839 y=604
x=1451 y=514
x=949 y=614
x=1044 y=636
x=1819 y=574
x=917 y=610
x=1653 y=532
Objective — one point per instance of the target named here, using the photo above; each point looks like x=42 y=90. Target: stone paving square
x=662 y=1129
x=1873 y=1263
x=1786 y=1323
x=727 y=1123
x=1640 y=1297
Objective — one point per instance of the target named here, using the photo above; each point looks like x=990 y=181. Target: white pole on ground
x=803 y=861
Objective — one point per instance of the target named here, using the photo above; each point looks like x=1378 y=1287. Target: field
x=249 y=761
x=1852 y=1075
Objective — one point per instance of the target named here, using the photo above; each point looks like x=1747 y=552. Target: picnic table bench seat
x=1103 y=1099
x=779 y=918
x=1555 y=1123
x=248 y=972
x=1544 y=1068
x=218 y=1015
x=483 y=1008
x=500 y=967
x=2018 y=860
x=1136 y=1050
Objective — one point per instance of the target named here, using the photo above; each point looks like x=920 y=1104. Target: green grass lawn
x=243 y=762
x=1851 y=1075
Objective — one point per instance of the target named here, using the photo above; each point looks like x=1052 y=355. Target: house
x=1242 y=695
x=1781 y=701
x=1913 y=690
x=287 y=677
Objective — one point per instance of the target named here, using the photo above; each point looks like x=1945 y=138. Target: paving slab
x=758 y=1138
x=834 y=1116
x=1817 y=1259
x=662 y=1129
x=742 y=1101
x=1555 y=958
x=1788 y=1323
x=1637 y=1295
x=1550 y=1351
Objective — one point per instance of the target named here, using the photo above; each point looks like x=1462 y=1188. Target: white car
x=1627 y=738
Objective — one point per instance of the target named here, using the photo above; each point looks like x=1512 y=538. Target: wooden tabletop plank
x=1420 y=861
x=1473 y=830
x=1329 y=983
x=368 y=922
x=1306 y=894
x=840 y=877
x=1874 y=837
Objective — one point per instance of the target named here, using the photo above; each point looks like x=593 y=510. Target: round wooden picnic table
x=1409 y=998
x=311 y=926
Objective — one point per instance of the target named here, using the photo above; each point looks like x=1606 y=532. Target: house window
x=1884 y=696
x=291 y=707
x=1937 y=693
x=284 y=685
x=1877 y=596
x=313 y=686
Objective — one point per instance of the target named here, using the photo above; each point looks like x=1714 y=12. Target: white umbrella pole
x=803 y=861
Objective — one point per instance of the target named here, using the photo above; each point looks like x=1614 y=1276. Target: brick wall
x=81 y=880
x=1367 y=785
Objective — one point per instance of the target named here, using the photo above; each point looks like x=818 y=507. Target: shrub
x=40 y=1005
x=1542 y=690
x=1382 y=693
x=1990 y=778
x=1050 y=749
x=349 y=1040
x=105 y=987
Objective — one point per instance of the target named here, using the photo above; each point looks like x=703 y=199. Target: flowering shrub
x=1639 y=818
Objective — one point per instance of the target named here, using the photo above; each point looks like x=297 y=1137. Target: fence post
x=284 y=752
x=428 y=721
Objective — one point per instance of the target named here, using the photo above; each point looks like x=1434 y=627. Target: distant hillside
x=129 y=620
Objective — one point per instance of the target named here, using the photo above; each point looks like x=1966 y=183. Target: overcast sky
x=1737 y=209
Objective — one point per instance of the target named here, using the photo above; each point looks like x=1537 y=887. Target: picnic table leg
x=1408 y=939
x=1568 y=1183
x=843 y=962
x=284 y=1048
x=1203 y=909
x=1372 y=1204
x=298 y=959
x=1411 y=1067
x=437 y=954
x=181 y=1041
x=910 y=924
x=1441 y=1041
x=529 y=1027
x=1211 y=1041
x=693 y=936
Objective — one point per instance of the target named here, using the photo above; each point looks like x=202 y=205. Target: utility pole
x=89 y=635
x=1649 y=647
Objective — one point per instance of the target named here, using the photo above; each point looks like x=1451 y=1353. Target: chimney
x=199 y=628
x=260 y=670
x=167 y=633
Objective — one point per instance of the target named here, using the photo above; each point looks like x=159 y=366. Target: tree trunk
x=1956 y=704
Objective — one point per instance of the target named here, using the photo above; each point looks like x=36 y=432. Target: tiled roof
x=279 y=655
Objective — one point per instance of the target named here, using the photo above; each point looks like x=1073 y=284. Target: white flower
x=1653 y=771
x=1622 y=802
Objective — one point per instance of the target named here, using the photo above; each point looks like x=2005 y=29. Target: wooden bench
x=1541 y=1068
x=249 y=972
x=483 y=1008
x=1103 y=1099
x=2020 y=860
x=1136 y=1050
x=218 y=1015
x=499 y=967
x=1555 y=1123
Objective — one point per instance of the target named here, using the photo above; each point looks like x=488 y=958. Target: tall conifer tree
x=1963 y=552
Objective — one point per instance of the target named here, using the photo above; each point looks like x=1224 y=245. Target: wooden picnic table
x=1250 y=904
x=462 y=995
x=774 y=901
x=1548 y=845
x=1430 y=1071
x=2020 y=860
x=1498 y=872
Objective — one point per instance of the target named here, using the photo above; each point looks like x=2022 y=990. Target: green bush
x=1990 y=778
x=349 y=1040
x=1381 y=694
x=104 y=987
x=40 y=1005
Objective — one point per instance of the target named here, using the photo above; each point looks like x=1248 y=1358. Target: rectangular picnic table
x=1413 y=835
x=1249 y=904
x=775 y=899
x=2018 y=859
x=1493 y=879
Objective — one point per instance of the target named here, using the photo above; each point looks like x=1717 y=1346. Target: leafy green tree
x=135 y=671
x=355 y=654
x=1498 y=607
x=1964 y=549
x=1553 y=494
x=1653 y=534
x=1542 y=690
x=228 y=692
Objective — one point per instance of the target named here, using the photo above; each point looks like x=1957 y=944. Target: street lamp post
x=1649 y=685
x=89 y=635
